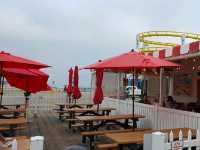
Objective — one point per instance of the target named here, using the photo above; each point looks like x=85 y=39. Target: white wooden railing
x=43 y=100
x=161 y=141
x=155 y=116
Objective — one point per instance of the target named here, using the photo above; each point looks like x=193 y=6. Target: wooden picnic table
x=62 y=106
x=85 y=111
x=12 y=123
x=104 y=120
x=72 y=105
x=129 y=138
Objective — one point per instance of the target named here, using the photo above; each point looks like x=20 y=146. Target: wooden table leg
x=61 y=109
x=120 y=147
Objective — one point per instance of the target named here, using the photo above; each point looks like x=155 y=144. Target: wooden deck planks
x=56 y=137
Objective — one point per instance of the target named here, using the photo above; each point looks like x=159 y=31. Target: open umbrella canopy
x=131 y=60
x=76 y=91
x=69 y=88
x=29 y=80
x=11 y=61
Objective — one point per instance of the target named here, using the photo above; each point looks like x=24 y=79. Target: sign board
x=177 y=145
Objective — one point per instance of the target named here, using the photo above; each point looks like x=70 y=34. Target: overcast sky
x=65 y=33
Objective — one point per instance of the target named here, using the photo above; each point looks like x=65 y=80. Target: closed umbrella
x=76 y=91
x=98 y=96
x=131 y=62
x=69 y=88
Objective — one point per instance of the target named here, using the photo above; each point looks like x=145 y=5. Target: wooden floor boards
x=56 y=136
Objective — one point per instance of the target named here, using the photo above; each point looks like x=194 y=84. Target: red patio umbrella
x=131 y=62
x=76 y=92
x=69 y=88
x=29 y=80
x=11 y=61
x=98 y=96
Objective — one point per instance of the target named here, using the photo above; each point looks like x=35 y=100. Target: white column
x=118 y=85
x=171 y=84
x=161 y=86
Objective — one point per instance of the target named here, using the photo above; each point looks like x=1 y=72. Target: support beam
x=161 y=87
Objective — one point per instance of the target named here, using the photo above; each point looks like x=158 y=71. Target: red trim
x=176 y=51
x=162 y=54
x=194 y=47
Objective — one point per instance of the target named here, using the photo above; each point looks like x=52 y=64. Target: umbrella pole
x=69 y=100
x=133 y=99
x=97 y=108
x=26 y=94
x=2 y=84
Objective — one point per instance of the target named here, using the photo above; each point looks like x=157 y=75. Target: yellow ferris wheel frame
x=152 y=45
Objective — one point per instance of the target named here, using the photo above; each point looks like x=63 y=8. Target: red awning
x=11 y=61
x=76 y=91
x=29 y=80
x=131 y=60
x=98 y=96
x=69 y=88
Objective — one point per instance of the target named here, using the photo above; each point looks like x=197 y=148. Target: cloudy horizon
x=66 y=33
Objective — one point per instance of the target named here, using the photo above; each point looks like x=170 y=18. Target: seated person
x=170 y=103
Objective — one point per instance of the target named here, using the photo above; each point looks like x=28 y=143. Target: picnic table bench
x=15 y=112
x=108 y=146
x=129 y=138
x=14 y=105
x=104 y=120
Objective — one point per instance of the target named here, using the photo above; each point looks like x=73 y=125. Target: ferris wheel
x=146 y=44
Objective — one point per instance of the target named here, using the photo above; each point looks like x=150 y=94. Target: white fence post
x=198 y=138
x=14 y=144
x=159 y=141
x=155 y=141
x=37 y=143
x=189 y=138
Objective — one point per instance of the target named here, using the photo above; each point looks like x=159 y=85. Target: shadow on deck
x=56 y=137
